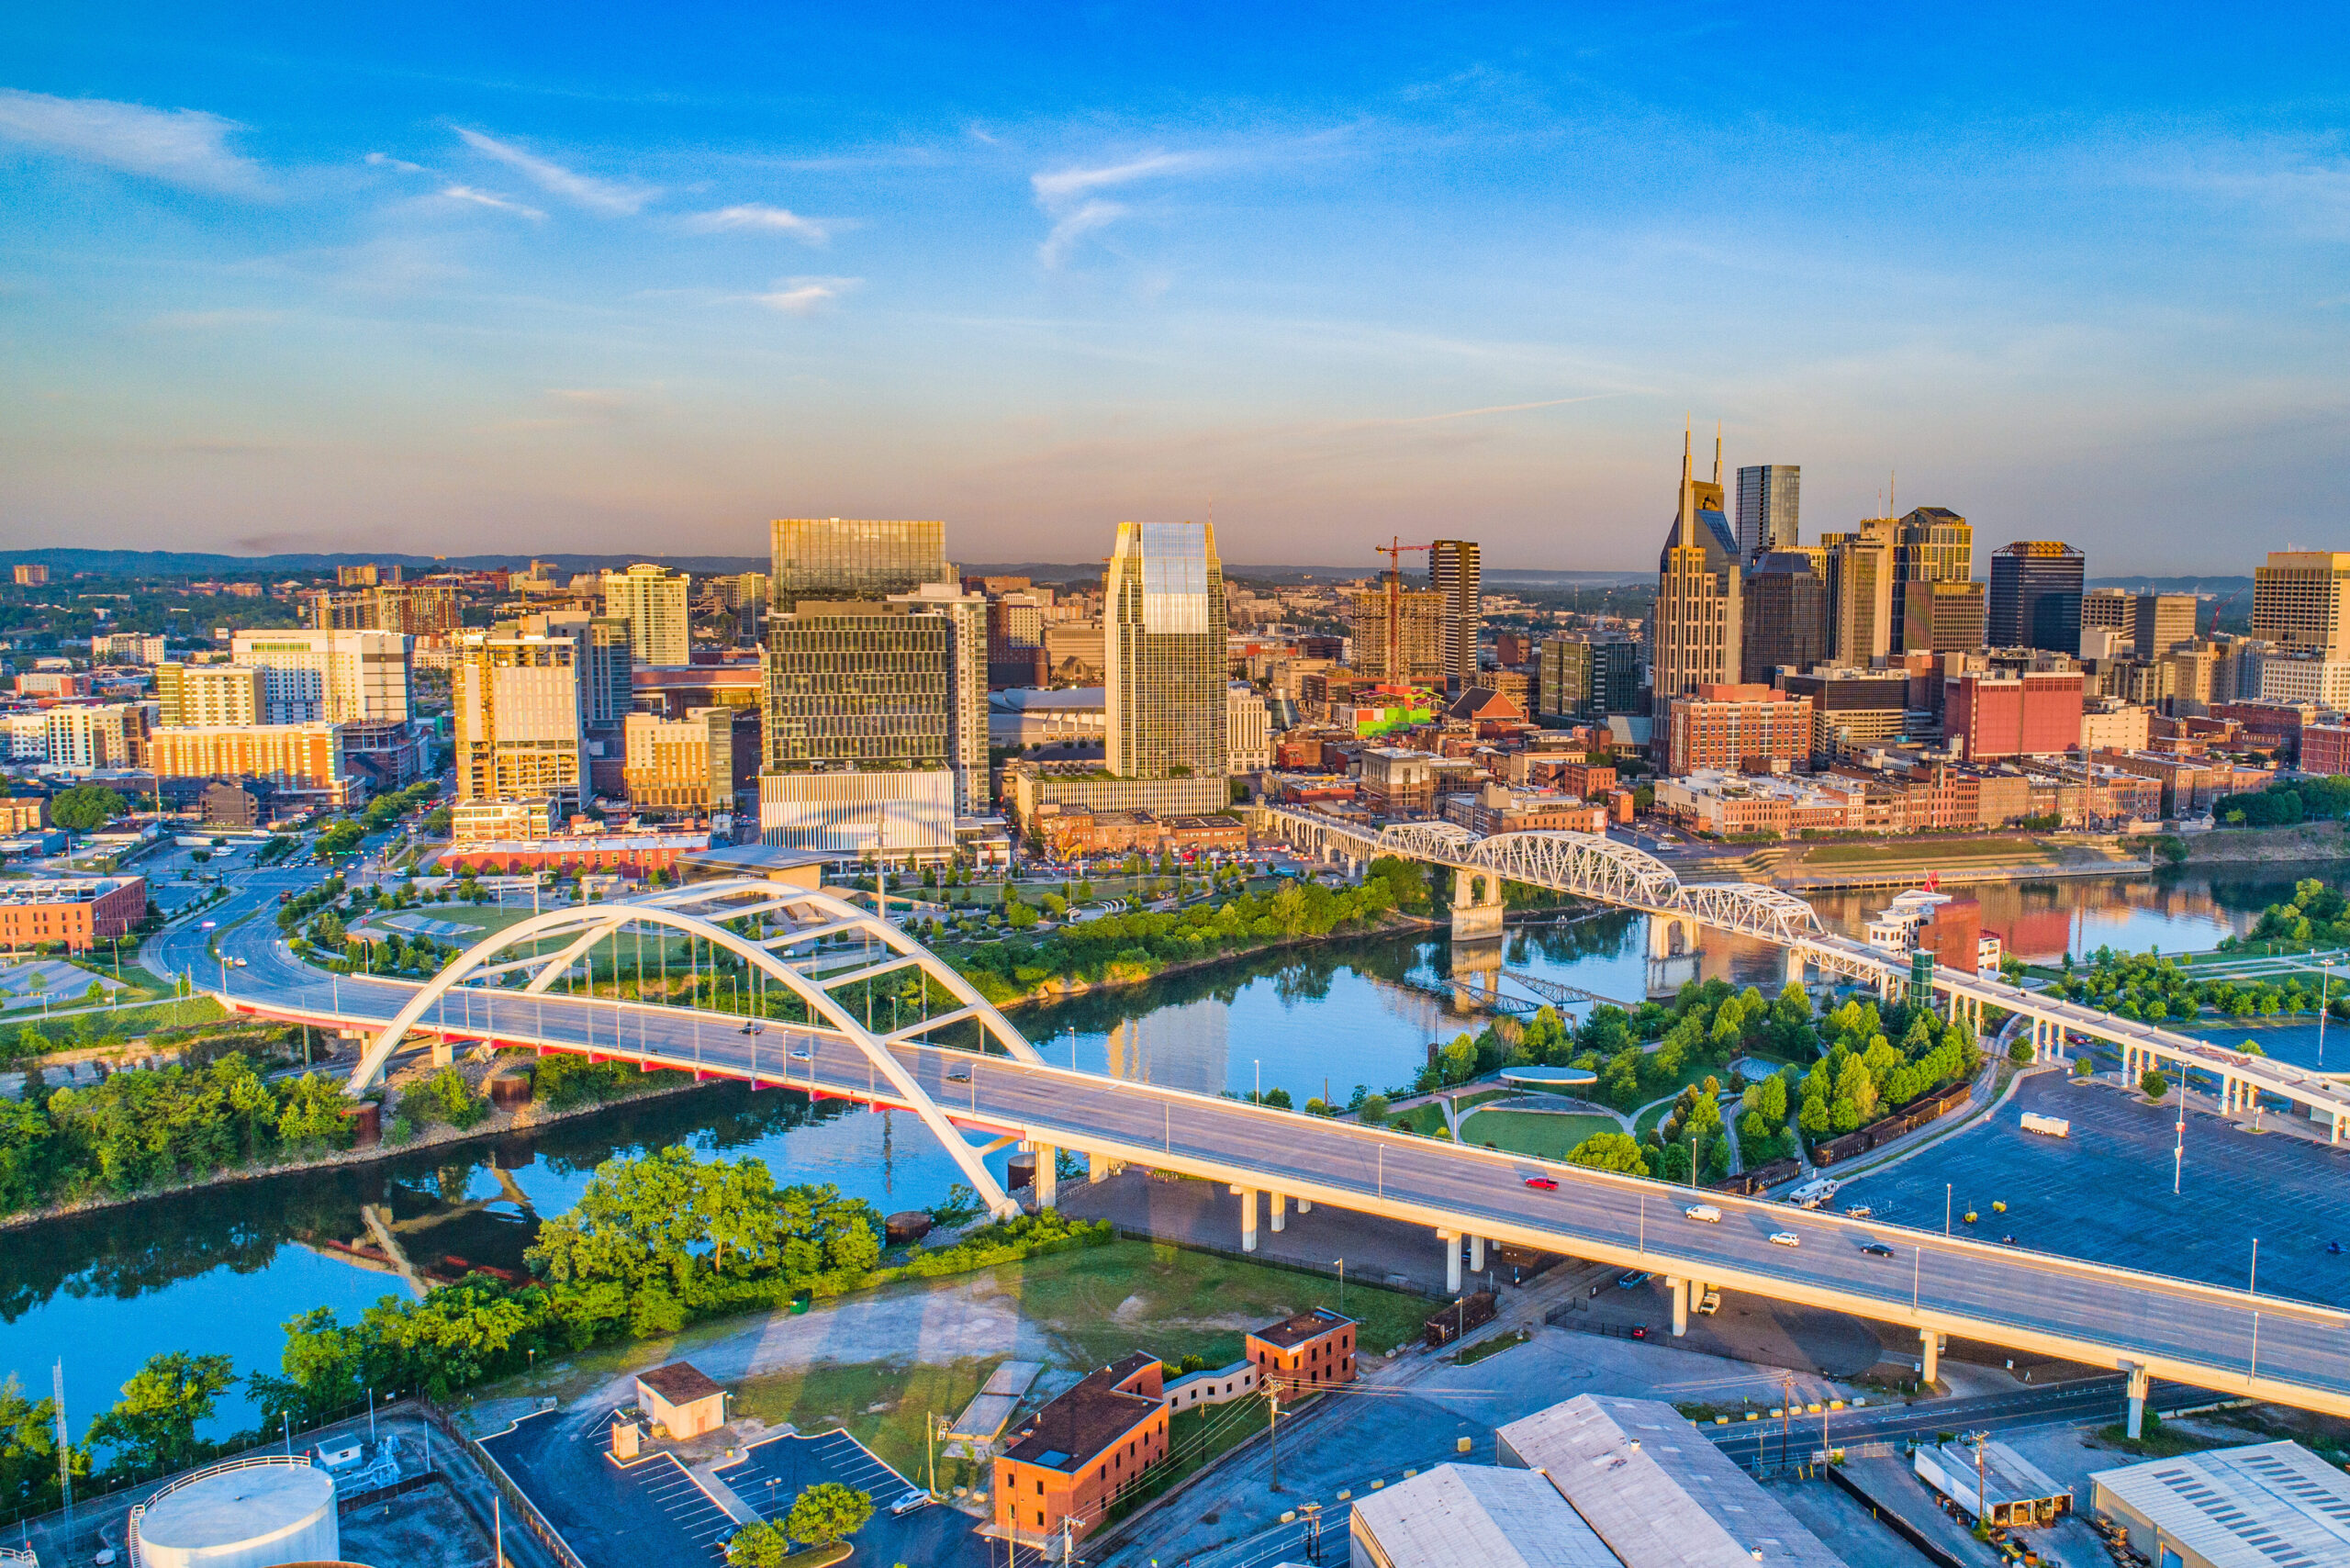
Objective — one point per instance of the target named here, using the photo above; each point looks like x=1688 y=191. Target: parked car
x=908 y=1502
x=1634 y=1279
x=1786 y=1239
x=1711 y=1301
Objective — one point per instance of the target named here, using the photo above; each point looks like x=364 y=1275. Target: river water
x=220 y=1270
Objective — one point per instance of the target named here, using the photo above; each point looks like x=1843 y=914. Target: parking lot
x=2104 y=1193
x=654 y=1511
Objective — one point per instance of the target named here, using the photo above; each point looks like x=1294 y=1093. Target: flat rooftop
x=1476 y=1516
x=1292 y=1332
x=2262 y=1505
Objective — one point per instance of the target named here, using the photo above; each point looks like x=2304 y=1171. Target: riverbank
x=497 y=1123
x=1060 y=988
x=2260 y=846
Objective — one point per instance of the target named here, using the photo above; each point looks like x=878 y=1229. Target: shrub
x=444 y=1096
x=2155 y=1085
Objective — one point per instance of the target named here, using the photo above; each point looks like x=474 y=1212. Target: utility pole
x=1272 y=1432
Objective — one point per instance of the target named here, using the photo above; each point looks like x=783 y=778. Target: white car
x=917 y=1498
x=1704 y=1214
x=1786 y=1239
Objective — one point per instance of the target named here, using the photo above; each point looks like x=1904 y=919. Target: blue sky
x=638 y=278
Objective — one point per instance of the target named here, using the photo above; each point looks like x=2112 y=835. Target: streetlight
x=2325 y=989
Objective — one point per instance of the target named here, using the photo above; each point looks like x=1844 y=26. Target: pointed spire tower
x=1694 y=638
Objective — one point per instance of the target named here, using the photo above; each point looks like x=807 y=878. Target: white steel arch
x=1749 y=910
x=1584 y=863
x=808 y=917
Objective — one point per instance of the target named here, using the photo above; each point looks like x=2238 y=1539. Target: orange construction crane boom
x=1395 y=550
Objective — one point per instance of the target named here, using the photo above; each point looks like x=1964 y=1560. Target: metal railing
x=250 y=1461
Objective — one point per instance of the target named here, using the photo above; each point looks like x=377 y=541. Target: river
x=220 y=1270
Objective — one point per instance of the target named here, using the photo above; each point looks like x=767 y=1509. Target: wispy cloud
x=805 y=295
x=179 y=147
x=1480 y=413
x=490 y=200
x=1067 y=195
x=385 y=161
x=608 y=197
x=758 y=217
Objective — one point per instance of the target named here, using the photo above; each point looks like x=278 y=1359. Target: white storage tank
x=257 y=1512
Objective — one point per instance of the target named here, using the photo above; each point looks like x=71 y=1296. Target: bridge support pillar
x=2337 y=1128
x=1477 y=907
x=444 y=1054
x=1305 y=1205
x=1048 y=1186
x=1679 y=1289
x=1476 y=1254
x=1281 y=1212
x=1247 y=1218
x=1100 y=1168
x=1793 y=971
x=1930 y=1362
x=1451 y=1241
x=2138 y=1382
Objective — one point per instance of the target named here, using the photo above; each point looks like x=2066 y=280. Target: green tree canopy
x=827 y=1512
x=1609 y=1151
x=151 y=1428
x=85 y=807
x=762 y=1544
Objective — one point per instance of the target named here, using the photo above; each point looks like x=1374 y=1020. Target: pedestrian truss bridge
x=875 y=1019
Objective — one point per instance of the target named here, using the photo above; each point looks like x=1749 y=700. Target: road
x=1752 y=1443
x=2194 y=1333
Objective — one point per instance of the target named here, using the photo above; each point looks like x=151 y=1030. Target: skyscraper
x=1785 y=606
x=2300 y=600
x=966 y=686
x=2036 y=595
x=1163 y=625
x=653 y=601
x=1453 y=571
x=520 y=732
x=1859 y=592
x=1417 y=617
x=1770 y=498
x=842 y=558
x=1930 y=545
x=364 y=675
x=1697 y=626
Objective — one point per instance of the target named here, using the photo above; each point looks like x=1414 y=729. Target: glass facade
x=2036 y=595
x=857 y=685
x=1164 y=651
x=1455 y=571
x=835 y=557
x=1770 y=498
x=1787 y=616
x=1931 y=544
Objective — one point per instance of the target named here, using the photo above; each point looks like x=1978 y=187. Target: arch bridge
x=807 y=944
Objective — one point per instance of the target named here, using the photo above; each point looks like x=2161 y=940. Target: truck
x=1710 y=1303
x=1812 y=1193
x=2050 y=1126
x=1472 y=1311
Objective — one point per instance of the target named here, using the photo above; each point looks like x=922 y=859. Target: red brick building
x=632 y=854
x=2326 y=748
x=1311 y=1349
x=2034 y=714
x=1080 y=1452
x=78 y=911
x=1726 y=726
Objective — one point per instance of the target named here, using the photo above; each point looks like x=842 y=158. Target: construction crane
x=1395 y=550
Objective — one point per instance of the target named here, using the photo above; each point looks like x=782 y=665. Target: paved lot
x=778 y=1469
x=2104 y=1193
x=651 y=1512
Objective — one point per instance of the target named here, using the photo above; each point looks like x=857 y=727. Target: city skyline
x=297 y=285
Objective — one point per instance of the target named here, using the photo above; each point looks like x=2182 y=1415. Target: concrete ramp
x=985 y=1416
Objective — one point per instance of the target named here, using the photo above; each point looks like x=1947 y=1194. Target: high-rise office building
x=840 y=558
x=1583 y=678
x=1930 y=545
x=1859 y=592
x=1416 y=616
x=966 y=686
x=857 y=684
x=653 y=601
x=2110 y=609
x=2159 y=622
x=2300 y=601
x=1454 y=572
x=1942 y=617
x=1770 y=498
x=2036 y=595
x=1697 y=626
x=1785 y=608
x=364 y=676
x=520 y=727
x=1163 y=645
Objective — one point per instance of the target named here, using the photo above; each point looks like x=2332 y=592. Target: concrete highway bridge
x=1592 y=866
x=991 y=1084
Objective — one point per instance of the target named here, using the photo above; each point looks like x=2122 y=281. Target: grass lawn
x=1546 y=1135
x=884 y=1405
x=1426 y=1119
x=1926 y=852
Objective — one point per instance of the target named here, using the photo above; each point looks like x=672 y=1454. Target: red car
x=1545 y=1182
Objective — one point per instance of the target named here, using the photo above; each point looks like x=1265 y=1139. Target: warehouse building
x=2262 y=1505
x=1457 y=1515
x=1994 y=1483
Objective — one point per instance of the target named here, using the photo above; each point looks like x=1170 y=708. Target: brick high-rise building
x=1727 y=727
x=2037 y=713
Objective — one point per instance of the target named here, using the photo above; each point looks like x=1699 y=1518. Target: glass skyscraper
x=857 y=685
x=1163 y=649
x=834 y=558
x=2036 y=595
x=1770 y=496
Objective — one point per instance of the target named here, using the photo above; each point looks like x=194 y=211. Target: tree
x=764 y=1545
x=151 y=1429
x=312 y=1113
x=827 y=1512
x=2153 y=1084
x=29 y=1451
x=1609 y=1151
x=1373 y=1110
x=2020 y=1053
x=85 y=807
